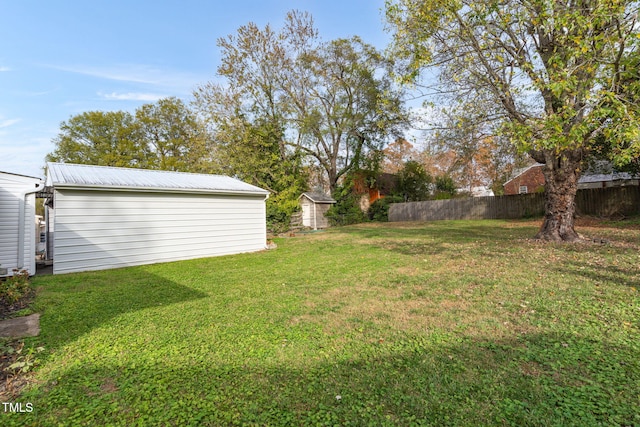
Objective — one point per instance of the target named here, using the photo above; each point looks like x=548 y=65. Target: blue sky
x=61 y=58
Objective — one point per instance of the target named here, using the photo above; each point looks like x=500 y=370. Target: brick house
x=526 y=180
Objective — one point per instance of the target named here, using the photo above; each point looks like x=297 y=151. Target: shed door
x=306 y=214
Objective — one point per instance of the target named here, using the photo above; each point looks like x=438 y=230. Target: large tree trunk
x=561 y=173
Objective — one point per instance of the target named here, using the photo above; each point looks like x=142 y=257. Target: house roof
x=318 y=198
x=67 y=175
x=21 y=176
x=601 y=171
x=605 y=177
x=521 y=171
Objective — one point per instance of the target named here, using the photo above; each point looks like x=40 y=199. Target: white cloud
x=130 y=73
x=2 y=69
x=8 y=122
x=131 y=96
x=139 y=74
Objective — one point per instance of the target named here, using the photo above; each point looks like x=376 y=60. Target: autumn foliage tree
x=467 y=148
x=555 y=70
x=397 y=153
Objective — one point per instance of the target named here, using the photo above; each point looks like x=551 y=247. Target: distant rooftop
x=318 y=197
x=88 y=176
x=599 y=171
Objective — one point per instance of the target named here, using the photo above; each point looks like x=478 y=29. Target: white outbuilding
x=17 y=222
x=107 y=217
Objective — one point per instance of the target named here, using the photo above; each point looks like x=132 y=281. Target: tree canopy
x=556 y=72
x=333 y=101
x=165 y=135
x=99 y=138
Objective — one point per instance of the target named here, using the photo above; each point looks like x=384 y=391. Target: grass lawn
x=443 y=323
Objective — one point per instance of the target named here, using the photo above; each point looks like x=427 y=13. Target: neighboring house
x=525 y=180
x=374 y=189
x=107 y=217
x=17 y=218
x=481 y=191
x=314 y=206
x=600 y=175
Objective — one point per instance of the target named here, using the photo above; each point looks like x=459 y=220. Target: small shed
x=314 y=206
x=17 y=222
x=107 y=217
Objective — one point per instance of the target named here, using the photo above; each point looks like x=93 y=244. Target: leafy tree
x=99 y=138
x=334 y=101
x=554 y=70
x=254 y=153
x=165 y=135
x=173 y=137
x=625 y=154
x=345 y=106
x=414 y=182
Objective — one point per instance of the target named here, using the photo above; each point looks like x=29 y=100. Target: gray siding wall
x=97 y=230
x=321 y=209
x=10 y=189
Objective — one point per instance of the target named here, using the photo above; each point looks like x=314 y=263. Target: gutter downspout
x=23 y=201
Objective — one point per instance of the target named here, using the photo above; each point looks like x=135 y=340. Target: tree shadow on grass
x=462 y=231
x=616 y=275
x=72 y=305
x=537 y=380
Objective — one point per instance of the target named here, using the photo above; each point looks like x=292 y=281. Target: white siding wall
x=11 y=187
x=108 y=229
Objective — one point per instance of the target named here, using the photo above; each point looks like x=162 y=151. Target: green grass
x=446 y=323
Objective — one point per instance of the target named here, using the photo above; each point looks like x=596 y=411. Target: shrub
x=279 y=211
x=379 y=210
x=445 y=187
x=346 y=211
x=347 y=208
x=15 y=287
x=415 y=182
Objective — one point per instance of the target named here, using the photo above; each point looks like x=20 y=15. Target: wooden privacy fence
x=603 y=202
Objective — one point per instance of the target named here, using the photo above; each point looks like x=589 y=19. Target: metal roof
x=61 y=175
x=21 y=175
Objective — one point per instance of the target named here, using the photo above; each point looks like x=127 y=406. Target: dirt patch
x=12 y=381
x=8 y=310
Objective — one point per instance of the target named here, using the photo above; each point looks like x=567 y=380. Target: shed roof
x=318 y=198
x=67 y=175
